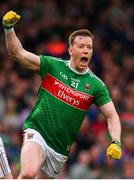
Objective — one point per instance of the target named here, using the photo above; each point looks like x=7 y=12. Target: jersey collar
x=77 y=72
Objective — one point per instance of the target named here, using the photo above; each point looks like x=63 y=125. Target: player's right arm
x=14 y=46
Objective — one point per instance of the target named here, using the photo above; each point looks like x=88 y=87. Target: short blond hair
x=80 y=32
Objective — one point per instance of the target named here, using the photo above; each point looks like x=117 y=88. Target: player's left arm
x=114 y=127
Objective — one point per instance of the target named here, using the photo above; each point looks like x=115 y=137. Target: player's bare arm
x=113 y=120
x=114 y=127
x=14 y=46
x=18 y=53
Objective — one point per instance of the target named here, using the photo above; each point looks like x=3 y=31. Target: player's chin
x=84 y=64
x=83 y=67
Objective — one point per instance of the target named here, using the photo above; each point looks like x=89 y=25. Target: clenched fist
x=10 y=19
x=114 y=151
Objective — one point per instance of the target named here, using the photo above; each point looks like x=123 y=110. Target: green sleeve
x=45 y=62
x=102 y=95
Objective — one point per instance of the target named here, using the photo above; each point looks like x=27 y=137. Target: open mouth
x=84 y=59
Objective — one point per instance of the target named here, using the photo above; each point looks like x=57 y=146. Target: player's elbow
x=14 y=53
x=113 y=117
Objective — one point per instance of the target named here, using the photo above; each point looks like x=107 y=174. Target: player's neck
x=77 y=71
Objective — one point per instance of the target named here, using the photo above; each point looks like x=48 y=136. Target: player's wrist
x=117 y=142
x=7 y=27
x=7 y=30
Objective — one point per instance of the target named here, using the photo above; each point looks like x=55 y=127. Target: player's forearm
x=13 y=44
x=114 y=127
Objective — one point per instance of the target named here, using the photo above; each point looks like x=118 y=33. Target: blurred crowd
x=44 y=29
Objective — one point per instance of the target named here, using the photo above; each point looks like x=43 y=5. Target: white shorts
x=4 y=166
x=53 y=161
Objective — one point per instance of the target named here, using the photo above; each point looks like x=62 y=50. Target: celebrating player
x=67 y=90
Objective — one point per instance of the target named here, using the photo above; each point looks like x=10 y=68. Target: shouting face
x=80 y=53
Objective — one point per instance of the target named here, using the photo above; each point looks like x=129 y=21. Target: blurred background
x=44 y=29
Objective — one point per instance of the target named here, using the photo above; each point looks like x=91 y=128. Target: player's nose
x=85 y=50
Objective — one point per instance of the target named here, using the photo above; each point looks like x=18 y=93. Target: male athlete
x=67 y=90
x=5 y=172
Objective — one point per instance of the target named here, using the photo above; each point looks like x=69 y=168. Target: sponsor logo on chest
x=66 y=93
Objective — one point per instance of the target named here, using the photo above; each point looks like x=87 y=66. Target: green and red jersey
x=63 y=100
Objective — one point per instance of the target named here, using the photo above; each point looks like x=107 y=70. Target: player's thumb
x=18 y=17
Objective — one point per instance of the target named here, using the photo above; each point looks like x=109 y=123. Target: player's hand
x=114 y=151
x=10 y=19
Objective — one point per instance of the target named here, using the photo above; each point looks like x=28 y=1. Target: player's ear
x=70 y=51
